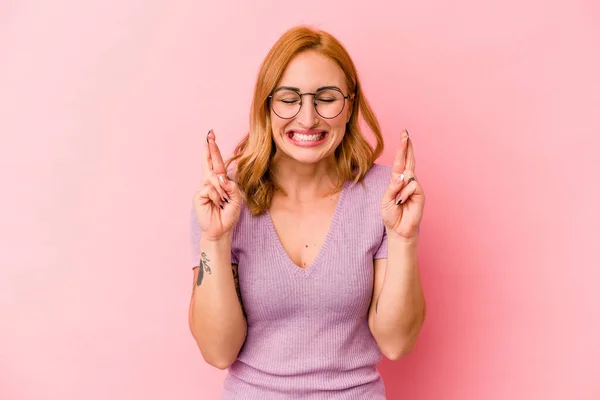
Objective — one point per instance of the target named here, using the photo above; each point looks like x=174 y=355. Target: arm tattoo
x=203 y=267
x=236 y=280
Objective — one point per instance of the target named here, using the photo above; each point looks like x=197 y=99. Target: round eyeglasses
x=328 y=102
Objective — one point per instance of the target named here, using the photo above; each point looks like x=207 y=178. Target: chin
x=306 y=157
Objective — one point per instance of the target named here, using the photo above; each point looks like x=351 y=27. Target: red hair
x=253 y=155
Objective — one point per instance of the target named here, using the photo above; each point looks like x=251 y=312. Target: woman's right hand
x=218 y=202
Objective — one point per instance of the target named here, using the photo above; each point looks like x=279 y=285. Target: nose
x=308 y=117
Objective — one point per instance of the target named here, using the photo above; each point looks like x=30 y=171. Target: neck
x=303 y=182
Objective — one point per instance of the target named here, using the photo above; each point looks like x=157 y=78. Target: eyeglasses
x=328 y=102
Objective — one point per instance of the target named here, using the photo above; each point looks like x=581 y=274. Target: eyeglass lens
x=328 y=103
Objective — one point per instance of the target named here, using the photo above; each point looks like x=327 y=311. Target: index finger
x=218 y=165
x=206 y=158
x=410 y=157
x=399 y=165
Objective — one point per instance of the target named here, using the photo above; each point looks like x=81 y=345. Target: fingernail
x=399 y=201
x=222 y=179
x=221 y=205
x=405 y=134
x=226 y=200
x=208 y=135
x=399 y=178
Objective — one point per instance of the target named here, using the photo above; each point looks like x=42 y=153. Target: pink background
x=103 y=107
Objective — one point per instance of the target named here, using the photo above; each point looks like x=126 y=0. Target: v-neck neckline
x=287 y=260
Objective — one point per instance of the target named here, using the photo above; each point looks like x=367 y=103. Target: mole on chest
x=303 y=245
x=303 y=232
x=303 y=238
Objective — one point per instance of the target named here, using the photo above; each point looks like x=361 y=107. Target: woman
x=325 y=240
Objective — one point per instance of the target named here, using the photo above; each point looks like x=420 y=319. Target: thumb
x=230 y=187
x=396 y=184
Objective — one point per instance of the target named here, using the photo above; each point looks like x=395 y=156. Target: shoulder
x=362 y=206
x=373 y=185
x=377 y=178
x=379 y=173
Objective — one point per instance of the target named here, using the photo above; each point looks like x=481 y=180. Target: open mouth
x=306 y=137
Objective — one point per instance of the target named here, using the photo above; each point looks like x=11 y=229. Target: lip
x=305 y=131
x=289 y=135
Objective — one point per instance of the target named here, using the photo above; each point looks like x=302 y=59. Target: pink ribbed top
x=308 y=334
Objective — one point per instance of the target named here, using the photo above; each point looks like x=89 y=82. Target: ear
x=350 y=102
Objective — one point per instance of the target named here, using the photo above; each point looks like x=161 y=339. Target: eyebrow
x=295 y=89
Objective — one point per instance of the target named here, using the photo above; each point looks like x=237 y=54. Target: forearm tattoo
x=236 y=280
x=204 y=267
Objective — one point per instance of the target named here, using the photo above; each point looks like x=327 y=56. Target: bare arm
x=216 y=315
x=398 y=308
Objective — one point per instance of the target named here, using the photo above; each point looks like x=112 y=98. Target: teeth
x=307 y=138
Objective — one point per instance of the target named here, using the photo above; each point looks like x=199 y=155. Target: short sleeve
x=382 y=249
x=195 y=234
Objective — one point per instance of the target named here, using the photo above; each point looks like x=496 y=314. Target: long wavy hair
x=254 y=154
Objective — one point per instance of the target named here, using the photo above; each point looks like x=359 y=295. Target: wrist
x=224 y=239
x=402 y=240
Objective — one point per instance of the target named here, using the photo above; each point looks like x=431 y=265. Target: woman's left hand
x=403 y=201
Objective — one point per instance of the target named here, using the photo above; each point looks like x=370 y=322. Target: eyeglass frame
x=293 y=89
